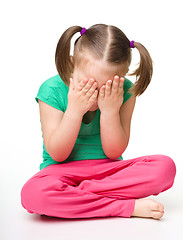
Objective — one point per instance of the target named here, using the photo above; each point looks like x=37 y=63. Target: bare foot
x=148 y=208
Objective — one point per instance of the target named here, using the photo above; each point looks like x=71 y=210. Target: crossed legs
x=100 y=188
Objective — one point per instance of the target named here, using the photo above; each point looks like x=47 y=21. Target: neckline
x=89 y=124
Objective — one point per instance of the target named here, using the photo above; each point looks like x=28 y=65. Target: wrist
x=72 y=113
x=110 y=113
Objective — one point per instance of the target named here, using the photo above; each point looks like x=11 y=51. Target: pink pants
x=96 y=188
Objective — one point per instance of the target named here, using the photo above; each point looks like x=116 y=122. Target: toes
x=157 y=210
x=157 y=214
x=161 y=207
x=156 y=206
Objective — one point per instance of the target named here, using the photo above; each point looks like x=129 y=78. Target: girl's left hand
x=110 y=96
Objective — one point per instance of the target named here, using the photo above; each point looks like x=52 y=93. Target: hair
x=105 y=42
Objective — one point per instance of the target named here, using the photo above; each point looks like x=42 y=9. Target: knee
x=31 y=196
x=165 y=171
x=26 y=195
x=38 y=193
x=167 y=165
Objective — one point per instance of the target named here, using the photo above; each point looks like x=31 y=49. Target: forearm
x=113 y=137
x=64 y=137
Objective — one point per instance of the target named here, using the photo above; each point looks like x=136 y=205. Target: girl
x=85 y=114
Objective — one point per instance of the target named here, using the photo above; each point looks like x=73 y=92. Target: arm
x=115 y=129
x=62 y=140
x=58 y=132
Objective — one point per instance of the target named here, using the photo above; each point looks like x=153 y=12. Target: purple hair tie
x=83 y=31
x=132 y=44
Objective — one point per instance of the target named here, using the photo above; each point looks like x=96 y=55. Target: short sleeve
x=126 y=86
x=48 y=94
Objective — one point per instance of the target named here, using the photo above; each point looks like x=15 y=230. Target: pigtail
x=63 y=60
x=143 y=72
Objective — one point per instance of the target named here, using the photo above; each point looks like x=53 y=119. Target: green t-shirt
x=88 y=143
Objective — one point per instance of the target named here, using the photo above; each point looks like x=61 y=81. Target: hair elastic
x=132 y=44
x=83 y=31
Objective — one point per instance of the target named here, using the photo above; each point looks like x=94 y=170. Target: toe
x=156 y=206
x=161 y=207
x=157 y=214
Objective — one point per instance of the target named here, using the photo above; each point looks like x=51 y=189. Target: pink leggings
x=96 y=188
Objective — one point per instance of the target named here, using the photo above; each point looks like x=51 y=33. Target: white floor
x=30 y=31
x=17 y=223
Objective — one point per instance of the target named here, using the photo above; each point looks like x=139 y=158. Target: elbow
x=58 y=158
x=114 y=154
x=57 y=153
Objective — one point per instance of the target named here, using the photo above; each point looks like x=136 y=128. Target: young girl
x=85 y=114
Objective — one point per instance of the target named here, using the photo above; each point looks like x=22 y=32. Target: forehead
x=89 y=66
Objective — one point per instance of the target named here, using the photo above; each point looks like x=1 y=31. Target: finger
x=102 y=91
x=92 y=89
x=94 y=96
x=88 y=85
x=71 y=84
x=108 y=87
x=115 y=84
x=121 y=83
x=81 y=84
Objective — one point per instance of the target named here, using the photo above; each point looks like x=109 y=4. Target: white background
x=29 y=33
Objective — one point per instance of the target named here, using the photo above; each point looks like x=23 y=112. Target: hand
x=110 y=96
x=82 y=96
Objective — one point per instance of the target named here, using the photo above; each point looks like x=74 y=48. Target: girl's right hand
x=82 y=96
